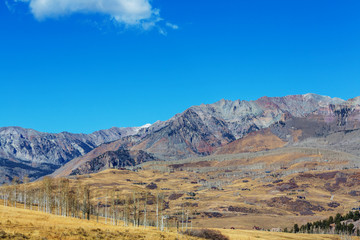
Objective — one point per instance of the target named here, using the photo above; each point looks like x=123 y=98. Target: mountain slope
x=198 y=131
x=45 y=152
x=333 y=127
x=256 y=141
x=115 y=160
x=233 y=126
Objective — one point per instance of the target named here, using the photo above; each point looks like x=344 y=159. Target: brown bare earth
x=253 y=142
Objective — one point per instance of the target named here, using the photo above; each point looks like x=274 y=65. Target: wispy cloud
x=128 y=12
x=173 y=26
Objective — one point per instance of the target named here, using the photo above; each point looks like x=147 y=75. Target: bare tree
x=157 y=210
x=106 y=204
x=126 y=211
x=86 y=205
x=159 y=207
x=6 y=194
x=145 y=209
x=112 y=206
x=25 y=181
x=15 y=183
x=47 y=188
x=134 y=209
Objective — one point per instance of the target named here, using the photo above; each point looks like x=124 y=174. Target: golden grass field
x=17 y=223
x=251 y=194
x=38 y=225
x=218 y=201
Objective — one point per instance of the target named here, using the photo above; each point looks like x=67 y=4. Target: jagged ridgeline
x=225 y=127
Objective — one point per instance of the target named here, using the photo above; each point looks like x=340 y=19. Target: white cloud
x=128 y=12
x=138 y=13
x=173 y=26
x=11 y=5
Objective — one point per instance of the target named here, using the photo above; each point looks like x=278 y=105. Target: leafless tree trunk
x=15 y=183
x=126 y=211
x=47 y=187
x=157 y=210
x=112 y=206
x=106 y=203
x=97 y=213
x=138 y=213
x=26 y=181
x=145 y=210
x=86 y=202
x=134 y=209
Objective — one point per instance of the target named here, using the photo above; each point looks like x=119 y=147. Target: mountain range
x=224 y=127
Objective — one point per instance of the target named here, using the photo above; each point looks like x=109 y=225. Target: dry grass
x=231 y=191
x=16 y=223
x=260 y=235
x=20 y=223
x=208 y=200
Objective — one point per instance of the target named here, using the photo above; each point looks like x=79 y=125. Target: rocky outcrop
x=186 y=135
x=113 y=159
x=334 y=127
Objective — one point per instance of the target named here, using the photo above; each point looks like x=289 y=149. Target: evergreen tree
x=356 y=216
x=350 y=228
x=338 y=218
x=296 y=228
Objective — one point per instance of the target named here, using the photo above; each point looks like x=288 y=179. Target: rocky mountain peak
x=197 y=131
x=354 y=101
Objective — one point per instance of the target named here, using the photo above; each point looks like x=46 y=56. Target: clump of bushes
x=80 y=231
x=175 y=196
x=151 y=186
x=206 y=234
x=4 y=235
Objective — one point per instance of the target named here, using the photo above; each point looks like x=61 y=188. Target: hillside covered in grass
x=18 y=223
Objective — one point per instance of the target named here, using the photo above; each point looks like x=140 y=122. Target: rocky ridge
x=26 y=151
x=202 y=130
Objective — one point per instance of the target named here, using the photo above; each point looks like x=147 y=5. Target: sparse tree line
x=57 y=196
x=332 y=225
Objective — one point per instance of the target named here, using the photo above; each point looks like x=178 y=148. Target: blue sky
x=81 y=68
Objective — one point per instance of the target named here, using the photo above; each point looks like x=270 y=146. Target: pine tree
x=296 y=228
